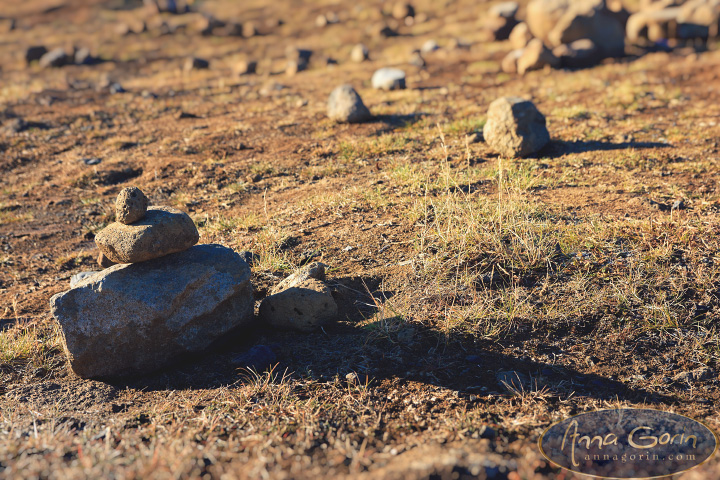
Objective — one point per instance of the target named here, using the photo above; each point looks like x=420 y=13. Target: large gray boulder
x=162 y=231
x=136 y=318
x=346 y=106
x=515 y=127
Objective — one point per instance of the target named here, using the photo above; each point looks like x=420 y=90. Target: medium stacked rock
x=170 y=298
x=535 y=57
x=162 y=231
x=515 y=127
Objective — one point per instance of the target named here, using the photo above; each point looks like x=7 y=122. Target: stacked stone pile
x=166 y=296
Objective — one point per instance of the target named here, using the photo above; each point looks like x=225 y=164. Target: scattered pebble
x=429 y=47
x=246 y=67
x=388 y=79
x=698 y=375
x=416 y=59
x=34 y=53
x=194 y=63
x=402 y=10
x=359 y=53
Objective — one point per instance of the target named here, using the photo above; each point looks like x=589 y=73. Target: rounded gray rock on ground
x=164 y=230
x=388 y=79
x=359 y=53
x=130 y=205
x=303 y=307
x=346 y=106
x=137 y=318
x=515 y=127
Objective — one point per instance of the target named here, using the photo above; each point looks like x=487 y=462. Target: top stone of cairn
x=130 y=206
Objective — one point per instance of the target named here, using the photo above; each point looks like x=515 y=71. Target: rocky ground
x=480 y=298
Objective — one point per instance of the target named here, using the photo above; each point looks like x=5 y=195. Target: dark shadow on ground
x=392 y=349
x=558 y=148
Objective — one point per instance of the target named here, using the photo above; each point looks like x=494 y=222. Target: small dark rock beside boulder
x=304 y=307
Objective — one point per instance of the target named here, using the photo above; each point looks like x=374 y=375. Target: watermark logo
x=628 y=443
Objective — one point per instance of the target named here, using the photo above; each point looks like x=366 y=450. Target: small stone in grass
x=346 y=106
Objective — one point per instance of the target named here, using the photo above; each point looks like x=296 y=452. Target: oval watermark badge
x=628 y=443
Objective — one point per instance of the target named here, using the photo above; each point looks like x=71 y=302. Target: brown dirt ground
x=248 y=160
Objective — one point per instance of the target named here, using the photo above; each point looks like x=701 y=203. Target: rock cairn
x=167 y=298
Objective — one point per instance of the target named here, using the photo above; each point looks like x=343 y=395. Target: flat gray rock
x=162 y=231
x=346 y=106
x=515 y=127
x=137 y=318
x=388 y=79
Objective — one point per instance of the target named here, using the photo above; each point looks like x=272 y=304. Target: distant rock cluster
x=165 y=298
x=581 y=33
